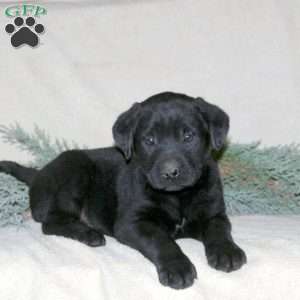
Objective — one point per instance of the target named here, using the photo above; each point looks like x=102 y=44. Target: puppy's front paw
x=92 y=238
x=225 y=256
x=178 y=274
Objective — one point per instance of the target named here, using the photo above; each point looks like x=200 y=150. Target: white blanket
x=38 y=267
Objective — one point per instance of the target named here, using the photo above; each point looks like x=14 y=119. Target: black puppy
x=158 y=184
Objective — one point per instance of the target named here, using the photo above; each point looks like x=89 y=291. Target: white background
x=95 y=60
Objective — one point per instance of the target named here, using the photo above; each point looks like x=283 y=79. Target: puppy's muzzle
x=171 y=174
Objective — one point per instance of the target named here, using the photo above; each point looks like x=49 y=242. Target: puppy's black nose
x=170 y=170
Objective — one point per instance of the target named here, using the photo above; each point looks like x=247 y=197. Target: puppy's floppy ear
x=124 y=129
x=217 y=120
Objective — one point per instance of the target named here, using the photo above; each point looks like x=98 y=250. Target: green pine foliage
x=261 y=180
x=38 y=144
x=14 y=203
x=256 y=180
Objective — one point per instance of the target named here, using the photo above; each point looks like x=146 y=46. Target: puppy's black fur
x=158 y=184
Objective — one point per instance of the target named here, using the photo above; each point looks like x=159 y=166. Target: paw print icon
x=24 y=32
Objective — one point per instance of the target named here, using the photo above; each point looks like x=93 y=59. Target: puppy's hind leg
x=62 y=224
x=59 y=193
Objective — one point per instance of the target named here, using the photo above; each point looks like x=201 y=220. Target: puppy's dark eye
x=149 y=140
x=188 y=136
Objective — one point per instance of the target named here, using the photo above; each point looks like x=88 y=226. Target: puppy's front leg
x=221 y=251
x=174 y=268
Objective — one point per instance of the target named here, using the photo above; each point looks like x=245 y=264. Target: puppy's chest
x=176 y=215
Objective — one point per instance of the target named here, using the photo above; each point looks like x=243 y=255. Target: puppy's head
x=171 y=136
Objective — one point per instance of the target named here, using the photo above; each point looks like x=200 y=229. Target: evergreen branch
x=38 y=143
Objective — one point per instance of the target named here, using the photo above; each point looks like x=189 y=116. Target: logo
x=25 y=30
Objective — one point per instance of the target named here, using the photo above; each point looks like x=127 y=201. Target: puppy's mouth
x=172 y=186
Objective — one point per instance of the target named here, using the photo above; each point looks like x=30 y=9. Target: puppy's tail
x=22 y=173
